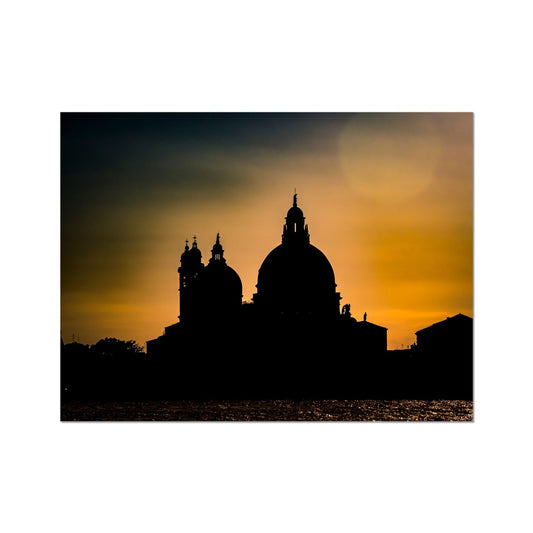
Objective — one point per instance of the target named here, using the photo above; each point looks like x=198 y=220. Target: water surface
x=270 y=410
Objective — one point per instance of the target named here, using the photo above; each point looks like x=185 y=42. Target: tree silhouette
x=110 y=367
x=116 y=349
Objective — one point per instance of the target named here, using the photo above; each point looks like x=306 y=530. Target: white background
x=275 y=56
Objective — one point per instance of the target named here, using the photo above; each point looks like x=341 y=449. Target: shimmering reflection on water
x=270 y=410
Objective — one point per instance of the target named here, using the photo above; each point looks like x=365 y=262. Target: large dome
x=303 y=264
x=296 y=278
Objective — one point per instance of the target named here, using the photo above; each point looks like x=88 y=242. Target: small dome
x=221 y=287
x=185 y=254
x=194 y=252
x=295 y=212
x=221 y=274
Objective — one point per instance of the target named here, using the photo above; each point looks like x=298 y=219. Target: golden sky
x=388 y=198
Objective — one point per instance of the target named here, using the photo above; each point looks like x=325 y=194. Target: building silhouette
x=207 y=292
x=291 y=340
x=453 y=336
x=295 y=289
x=446 y=348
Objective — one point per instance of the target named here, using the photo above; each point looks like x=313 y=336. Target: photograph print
x=266 y=267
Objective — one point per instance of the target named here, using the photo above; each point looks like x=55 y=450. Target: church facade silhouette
x=292 y=339
x=295 y=284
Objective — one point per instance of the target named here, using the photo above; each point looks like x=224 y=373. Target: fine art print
x=267 y=266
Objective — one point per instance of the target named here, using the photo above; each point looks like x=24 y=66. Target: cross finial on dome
x=294 y=198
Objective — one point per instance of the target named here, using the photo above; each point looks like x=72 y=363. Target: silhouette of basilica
x=290 y=340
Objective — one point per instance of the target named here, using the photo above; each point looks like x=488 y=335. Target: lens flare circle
x=390 y=158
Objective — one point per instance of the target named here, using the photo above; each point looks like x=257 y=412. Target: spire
x=185 y=255
x=217 y=253
x=295 y=230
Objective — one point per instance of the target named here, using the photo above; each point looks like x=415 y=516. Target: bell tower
x=190 y=267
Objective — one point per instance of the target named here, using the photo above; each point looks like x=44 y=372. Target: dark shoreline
x=269 y=410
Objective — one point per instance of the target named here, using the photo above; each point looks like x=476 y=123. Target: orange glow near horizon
x=388 y=198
